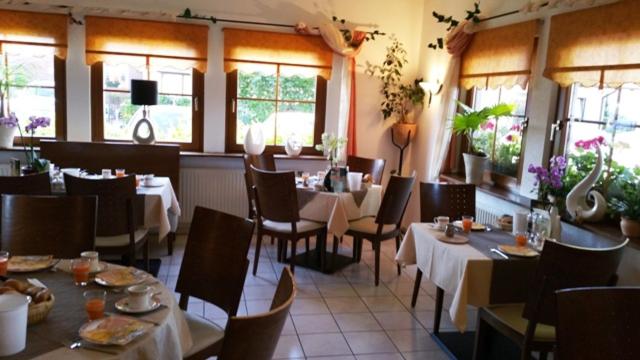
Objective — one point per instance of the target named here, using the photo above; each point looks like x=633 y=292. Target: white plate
x=123 y=305
x=117 y=339
x=140 y=277
x=153 y=184
x=474 y=227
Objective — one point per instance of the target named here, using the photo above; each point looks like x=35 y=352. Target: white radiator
x=219 y=189
x=484 y=216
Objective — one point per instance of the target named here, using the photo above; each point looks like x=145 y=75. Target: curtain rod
x=509 y=13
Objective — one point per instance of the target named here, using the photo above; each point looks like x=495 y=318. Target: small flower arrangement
x=587 y=145
x=331 y=145
x=10 y=121
x=549 y=181
x=36 y=164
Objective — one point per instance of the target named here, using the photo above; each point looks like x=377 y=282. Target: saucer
x=123 y=306
x=436 y=227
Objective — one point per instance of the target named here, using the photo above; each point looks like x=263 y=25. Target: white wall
x=404 y=18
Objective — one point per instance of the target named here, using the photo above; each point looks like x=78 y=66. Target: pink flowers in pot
x=590 y=144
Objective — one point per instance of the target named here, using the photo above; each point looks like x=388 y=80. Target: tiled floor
x=338 y=316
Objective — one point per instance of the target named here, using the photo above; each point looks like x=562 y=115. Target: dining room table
x=167 y=338
x=336 y=209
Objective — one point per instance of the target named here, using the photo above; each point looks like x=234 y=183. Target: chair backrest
x=373 y=167
x=158 y=159
x=215 y=259
x=564 y=266
x=263 y=161
x=452 y=200
x=62 y=226
x=276 y=196
x=36 y=184
x=116 y=202
x=598 y=323
x=255 y=337
x=395 y=200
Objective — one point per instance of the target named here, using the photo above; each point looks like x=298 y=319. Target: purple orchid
x=37 y=122
x=10 y=121
x=549 y=181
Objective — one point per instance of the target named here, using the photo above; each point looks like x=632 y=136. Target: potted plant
x=626 y=203
x=34 y=164
x=401 y=100
x=467 y=123
x=332 y=146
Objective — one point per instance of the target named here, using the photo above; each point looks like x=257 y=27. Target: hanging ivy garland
x=472 y=15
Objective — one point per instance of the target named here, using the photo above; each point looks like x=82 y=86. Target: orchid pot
x=630 y=228
x=8 y=127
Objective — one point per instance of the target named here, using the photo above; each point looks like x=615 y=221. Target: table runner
x=468 y=272
x=169 y=340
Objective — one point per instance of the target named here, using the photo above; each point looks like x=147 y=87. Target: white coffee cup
x=106 y=173
x=94 y=259
x=441 y=221
x=139 y=297
x=13 y=323
x=148 y=179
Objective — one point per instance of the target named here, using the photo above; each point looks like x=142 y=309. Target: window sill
x=197 y=154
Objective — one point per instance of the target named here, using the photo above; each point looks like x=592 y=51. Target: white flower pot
x=474 y=168
x=6 y=136
x=254 y=140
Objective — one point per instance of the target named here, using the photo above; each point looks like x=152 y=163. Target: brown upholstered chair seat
x=368 y=225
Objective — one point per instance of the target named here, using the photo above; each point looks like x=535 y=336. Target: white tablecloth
x=460 y=270
x=337 y=209
x=171 y=339
x=161 y=208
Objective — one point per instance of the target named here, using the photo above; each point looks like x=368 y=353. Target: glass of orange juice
x=80 y=268
x=94 y=302
x=467 y=223
x=521 y=239
x=120 y=173
x=4 y=262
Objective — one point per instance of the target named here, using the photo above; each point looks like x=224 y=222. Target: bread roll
x=42 y=296
x=18 y=285
x=33 y=291
x=7 y=290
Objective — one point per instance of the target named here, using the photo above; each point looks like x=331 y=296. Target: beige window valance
x=33 y=28
x=596 y=46
x=106 y=37
x=500 y=57
x=251 y=46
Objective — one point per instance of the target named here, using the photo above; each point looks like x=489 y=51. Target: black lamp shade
x=144 y=92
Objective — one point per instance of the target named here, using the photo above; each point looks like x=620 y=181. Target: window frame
x=231 y=119
x=60 y=101
x=197 y=110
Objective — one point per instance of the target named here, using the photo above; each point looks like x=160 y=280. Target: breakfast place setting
x=74 y=307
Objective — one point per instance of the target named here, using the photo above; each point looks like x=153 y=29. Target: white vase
x=576 y=200
x=254 y=140
x=6 y=136
x=293 y=146
x=143 y=133
x=474 y=168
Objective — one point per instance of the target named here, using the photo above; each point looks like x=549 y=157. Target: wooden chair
x=532 y=325
x=277 y=208
x=452 y=200
x=598 y=323
x=213 y=269
x=62 y=226
x=255 y=337
x=386 y=224
x=373 y=167
x=37 y=184
x=262 y=162
x=117 y=231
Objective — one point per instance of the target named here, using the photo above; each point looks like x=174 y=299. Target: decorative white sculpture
x=293 y=146
x=576 y=201
x=150 y=137
x=254 y=140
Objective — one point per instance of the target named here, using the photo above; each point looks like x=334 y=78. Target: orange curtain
x=107 y=36
x=596 y=46
x=34 y=28
x=252 y=46
x=499 y=57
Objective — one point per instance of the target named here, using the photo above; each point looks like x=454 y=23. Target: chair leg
x=292 y=263
x=171 y=239
x=279 y=250
x=257 y=254
x=398 y=249
x=284 y=250
x=306 y=250
x=355 y=249
x=376 y=248
x=438 y=314
x=272 y=239
x=416 y=288
x=334 y=255
x=543 y=355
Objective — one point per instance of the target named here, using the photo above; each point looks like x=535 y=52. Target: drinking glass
x=80 y=268
x=305 y=179
x=521 y=238
x=94 y=302
x=120 y=173
x=4 y=262
x=467 y=222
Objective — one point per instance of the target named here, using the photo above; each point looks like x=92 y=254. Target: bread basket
x=39 y=312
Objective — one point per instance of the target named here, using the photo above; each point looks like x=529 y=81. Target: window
x=285 y=100
x=172 y=117
x=608 y=112
x=173 y=54
x=501 y=139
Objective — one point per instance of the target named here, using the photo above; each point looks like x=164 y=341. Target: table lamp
x=145 y=93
